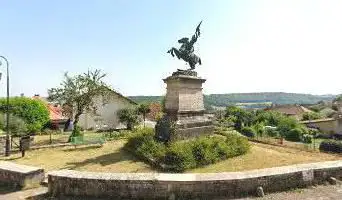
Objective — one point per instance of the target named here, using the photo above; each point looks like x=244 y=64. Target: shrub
x=248 y=131
x=331 y=146
x=151 y=149
x=76 y=132
x=311 y=116
x=294 y=135
x=113 y=135
x=17 y=126
x=129 y=116
x=144 y=145
x=137 y=138
x=259 y=129
x=237 y=144
x=33 y=112
x=179 y=157
x=271 y=118
x=307 y=138
x=182 y=155
x=271 y=132
x=204 y=150
x=286 y=124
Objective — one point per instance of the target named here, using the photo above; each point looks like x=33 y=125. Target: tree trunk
x=128 y=126
x=77 y=118
x=75 y=122
x=144 y=116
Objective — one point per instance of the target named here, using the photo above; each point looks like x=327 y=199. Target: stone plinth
x=184 y=108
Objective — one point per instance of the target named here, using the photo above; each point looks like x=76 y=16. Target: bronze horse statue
x=186 y=51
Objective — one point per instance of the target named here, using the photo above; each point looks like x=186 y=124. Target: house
x=296 y=111
x=331 y=125
x=105 y=114
x=328 y=125
x=57 y=119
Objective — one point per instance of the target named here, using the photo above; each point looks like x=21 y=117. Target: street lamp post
x=7 y=149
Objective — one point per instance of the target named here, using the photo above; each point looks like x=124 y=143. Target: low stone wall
x=190 y=186
x=21 y=176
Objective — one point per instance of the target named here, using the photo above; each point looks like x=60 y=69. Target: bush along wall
x=182 y=155
x=331 y=146
x=33 y=112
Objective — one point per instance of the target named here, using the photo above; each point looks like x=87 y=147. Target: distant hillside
x=254 y=99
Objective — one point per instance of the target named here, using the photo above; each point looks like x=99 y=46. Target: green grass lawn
x=112 y=158
x=59 y=138
x=314 y=146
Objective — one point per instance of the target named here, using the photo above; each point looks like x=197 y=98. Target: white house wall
x=106 y=114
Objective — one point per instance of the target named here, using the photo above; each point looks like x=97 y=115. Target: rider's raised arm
x=193 y=39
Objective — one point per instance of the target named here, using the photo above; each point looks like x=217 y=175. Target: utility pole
x=7 y=149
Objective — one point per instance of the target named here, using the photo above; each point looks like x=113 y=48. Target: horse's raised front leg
x=176 y=52
x=171 y=52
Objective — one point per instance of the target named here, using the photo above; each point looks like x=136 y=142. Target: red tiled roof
x=56 y=112
x=289 y=109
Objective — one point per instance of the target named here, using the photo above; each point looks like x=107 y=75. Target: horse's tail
x=199 y=61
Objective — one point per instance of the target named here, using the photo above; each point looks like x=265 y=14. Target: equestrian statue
x=186 y=51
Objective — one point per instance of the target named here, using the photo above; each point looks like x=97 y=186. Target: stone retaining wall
x=21 y=176
x=190 y=186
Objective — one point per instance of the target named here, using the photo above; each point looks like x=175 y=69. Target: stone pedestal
x=184 y=109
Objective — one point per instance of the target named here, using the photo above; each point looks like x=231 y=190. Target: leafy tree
x=269 y=118
x=144 y=109
x=242 y=117
x=33 y=112
x=286 y=125
x=129 y=116
x=311 y=116
x=79 y=92
x=259 y=129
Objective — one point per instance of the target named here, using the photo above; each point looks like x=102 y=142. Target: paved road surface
x=329 y=192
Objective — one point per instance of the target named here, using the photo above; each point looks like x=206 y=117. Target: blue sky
x=245 y=46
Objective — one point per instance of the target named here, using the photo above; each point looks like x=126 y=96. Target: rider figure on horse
x=186 y=51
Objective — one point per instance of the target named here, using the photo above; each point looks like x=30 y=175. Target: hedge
x=248 y=132
x=34 y=112
x=294 y=135
x=331 y=146
x=182 y=155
